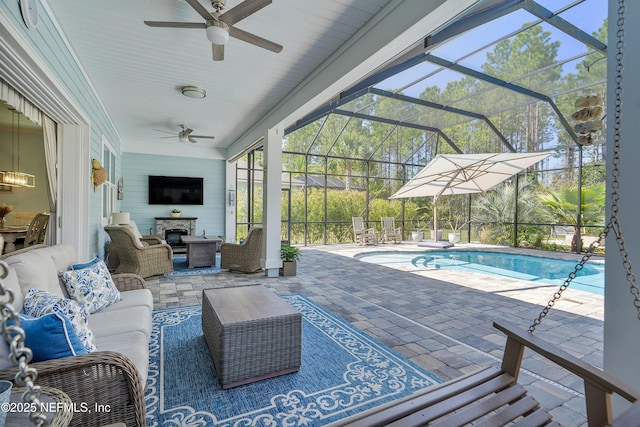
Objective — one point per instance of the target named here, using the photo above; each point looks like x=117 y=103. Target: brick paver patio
x=440 y=319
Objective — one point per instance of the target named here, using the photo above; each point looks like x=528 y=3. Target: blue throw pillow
x=51 y=337
x=86 y=264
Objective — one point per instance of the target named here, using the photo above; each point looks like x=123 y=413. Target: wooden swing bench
x=493 y=397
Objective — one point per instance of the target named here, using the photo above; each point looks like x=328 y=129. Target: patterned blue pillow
x=91 y=285
x=51 y=337
x=37 y=303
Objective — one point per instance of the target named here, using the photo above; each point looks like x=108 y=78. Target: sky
x=587 y=15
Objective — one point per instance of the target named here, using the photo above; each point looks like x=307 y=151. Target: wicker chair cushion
x=51 y=337
x=91 y=285
x=38 y=303
x=134 y=227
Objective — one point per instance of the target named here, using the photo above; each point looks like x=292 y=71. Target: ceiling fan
x=219 y=26
x=185 y=135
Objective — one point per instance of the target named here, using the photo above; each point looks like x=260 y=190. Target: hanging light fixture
x=15 y=178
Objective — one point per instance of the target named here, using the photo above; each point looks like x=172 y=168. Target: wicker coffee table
x=252 y=334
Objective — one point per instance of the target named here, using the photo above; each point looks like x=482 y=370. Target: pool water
x=538 y=269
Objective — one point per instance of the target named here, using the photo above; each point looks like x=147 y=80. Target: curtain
x=51 y=160
x=20 y=103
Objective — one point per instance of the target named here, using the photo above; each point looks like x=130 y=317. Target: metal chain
x=20 y=355
x=614 y=223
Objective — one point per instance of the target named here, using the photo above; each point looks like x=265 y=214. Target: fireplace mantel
x=176 y=218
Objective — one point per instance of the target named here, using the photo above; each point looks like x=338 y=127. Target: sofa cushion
x=91 y=285
x=134 y=345
x=115 y=322
x=11 y=283
x=36 y=270
x=37 y=303
x=134 y=298
x=51 y=337
x=63 y=255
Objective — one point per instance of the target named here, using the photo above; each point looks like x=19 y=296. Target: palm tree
x=495 y=209
x=564 y=207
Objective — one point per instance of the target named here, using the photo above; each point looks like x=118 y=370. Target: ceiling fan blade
x=191 y=140
x=164 y=131
x=203 y=136
x=243 y=10
x=167 y=137
x=218 y=52
x=253 y=39
x=197 y=25
x=187 y=131
x=200 y=9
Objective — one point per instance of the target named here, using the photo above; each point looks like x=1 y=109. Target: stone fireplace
x=172 y=228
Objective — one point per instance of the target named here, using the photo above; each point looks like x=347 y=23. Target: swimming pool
x=538 y=269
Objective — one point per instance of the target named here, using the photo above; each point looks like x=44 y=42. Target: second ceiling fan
x=185 y=135
x=219 y=26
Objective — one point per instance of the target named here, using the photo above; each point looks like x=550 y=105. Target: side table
x=201 y=250
x=252 y=334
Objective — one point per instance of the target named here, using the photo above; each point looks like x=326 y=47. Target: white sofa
x=116 y=373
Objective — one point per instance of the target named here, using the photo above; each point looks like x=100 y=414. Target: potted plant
x=290 y=256
x=175 y=213
x=456 y=225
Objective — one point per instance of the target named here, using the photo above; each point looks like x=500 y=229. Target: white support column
x=621 y=323
x=73 y=197
x=271 y=203
x=230 y=200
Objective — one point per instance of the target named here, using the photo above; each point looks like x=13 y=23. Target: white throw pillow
x=37 y=303
x=91 y=285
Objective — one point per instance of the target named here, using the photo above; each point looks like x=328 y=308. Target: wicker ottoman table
x=252 y=334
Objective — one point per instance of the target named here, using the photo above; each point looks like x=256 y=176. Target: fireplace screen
x=172 y=237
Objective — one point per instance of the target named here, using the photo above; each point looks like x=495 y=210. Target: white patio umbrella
x=449 y=174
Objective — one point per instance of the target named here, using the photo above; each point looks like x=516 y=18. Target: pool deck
x=440 y=319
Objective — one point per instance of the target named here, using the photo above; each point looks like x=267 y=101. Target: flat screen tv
x=175 y=190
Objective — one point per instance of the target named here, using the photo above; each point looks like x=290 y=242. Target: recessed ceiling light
x=194 y=92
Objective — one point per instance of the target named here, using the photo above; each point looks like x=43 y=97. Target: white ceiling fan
x=185 y=135
x=219 y=26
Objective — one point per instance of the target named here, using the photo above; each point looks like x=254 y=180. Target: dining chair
x=37 y=230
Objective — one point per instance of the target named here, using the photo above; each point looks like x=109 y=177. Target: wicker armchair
x=136 y=257
x=98 y=378
x=113 y=260
x=245 y=257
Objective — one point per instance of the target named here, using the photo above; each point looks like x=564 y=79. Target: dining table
x=10 y=234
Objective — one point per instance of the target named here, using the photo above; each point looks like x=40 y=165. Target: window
x=109 y=188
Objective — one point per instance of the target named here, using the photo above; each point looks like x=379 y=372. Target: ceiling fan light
x=183 y=138
x=194 y=92
x=217 y=32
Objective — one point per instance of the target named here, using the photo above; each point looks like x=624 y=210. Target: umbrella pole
x=435 y=219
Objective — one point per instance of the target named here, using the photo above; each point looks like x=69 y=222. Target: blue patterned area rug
x=343 y=372
x=181 y=268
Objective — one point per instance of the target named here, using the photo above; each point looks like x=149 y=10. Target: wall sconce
x=232 y=198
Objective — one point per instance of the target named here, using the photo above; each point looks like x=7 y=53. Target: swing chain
x=613 y=224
